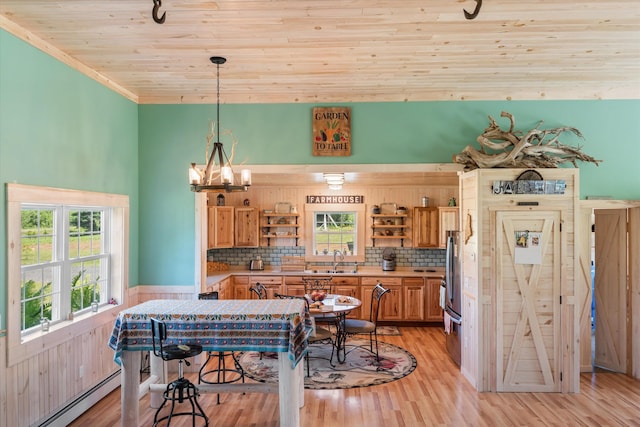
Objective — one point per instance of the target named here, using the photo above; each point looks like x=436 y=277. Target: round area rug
x=359 y=370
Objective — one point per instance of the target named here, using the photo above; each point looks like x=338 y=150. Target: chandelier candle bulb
x=194 y=176
x=227 y=175
x=245 y=176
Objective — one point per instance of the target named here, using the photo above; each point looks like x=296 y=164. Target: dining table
x=334 y=308
x=269 y=325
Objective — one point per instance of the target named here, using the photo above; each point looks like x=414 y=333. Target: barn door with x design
x=527 y=276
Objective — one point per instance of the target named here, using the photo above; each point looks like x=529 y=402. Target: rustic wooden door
x=528 y=282
x=611 y=289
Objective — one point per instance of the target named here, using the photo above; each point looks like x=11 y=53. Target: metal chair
x=221 y=370
x=315 y=283
x=358 y=326
x=320 y=334
x=180 y=389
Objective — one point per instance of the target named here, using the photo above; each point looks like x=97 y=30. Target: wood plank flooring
x=435 y=394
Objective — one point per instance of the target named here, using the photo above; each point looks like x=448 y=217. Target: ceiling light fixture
x=203 y=180
x=334 y=180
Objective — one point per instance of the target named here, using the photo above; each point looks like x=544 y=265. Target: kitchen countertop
x=436 y=272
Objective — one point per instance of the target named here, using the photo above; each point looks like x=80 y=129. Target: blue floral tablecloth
x=277 y=325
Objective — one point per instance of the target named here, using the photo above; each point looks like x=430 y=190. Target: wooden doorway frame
x=583 y=280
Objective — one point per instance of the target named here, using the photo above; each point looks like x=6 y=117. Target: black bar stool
x=220 y=374
x=180 y=389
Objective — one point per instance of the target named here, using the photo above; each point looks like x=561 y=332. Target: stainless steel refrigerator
x=453 y=297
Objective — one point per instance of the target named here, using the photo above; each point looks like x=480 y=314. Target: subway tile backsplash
x=405 y=257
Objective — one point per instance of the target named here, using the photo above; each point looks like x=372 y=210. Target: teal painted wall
x=172 y=136
x=68 y=131
x=59 y=128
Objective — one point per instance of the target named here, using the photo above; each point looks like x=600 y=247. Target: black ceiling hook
x=475 y=12
x=156 y=6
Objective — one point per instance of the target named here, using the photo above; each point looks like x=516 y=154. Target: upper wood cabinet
x=221 y=225
x=425 y=227
x=247 y=227
x=448 y=219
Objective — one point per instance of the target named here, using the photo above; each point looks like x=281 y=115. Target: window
x=334 y=227
x=64 y=262
x=335 y=231
x=66 y=249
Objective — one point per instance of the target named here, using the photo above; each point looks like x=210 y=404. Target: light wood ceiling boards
x=342 y=51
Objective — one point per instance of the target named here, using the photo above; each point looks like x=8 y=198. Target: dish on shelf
x=283 y=208
x=388 y=208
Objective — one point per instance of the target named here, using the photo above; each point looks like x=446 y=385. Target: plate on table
x=344 y=300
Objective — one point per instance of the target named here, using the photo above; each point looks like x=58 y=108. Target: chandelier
x=220 y=176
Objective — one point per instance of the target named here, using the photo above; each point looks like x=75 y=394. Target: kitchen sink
x=332 y=271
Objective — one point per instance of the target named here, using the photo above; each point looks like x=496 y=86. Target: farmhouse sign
x=318 y=199
x=331 y=131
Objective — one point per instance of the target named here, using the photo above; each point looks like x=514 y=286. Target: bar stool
x=218 y=374
x=180 y=389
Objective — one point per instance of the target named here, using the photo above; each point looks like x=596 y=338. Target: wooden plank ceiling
x=290 y=51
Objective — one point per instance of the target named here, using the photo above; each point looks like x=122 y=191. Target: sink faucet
x=335 y=263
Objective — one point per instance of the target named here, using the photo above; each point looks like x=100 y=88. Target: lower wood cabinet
x=225 y=291
x=434 y=312
x=293 y=285
x=273 y=284
x=241 y=287
x=414 y=298
x=392 y=302
x=349 y=286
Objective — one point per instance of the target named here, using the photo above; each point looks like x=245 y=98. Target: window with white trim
x=66 y=251
x=65 y=256
x=333 y=227
x=335 y=231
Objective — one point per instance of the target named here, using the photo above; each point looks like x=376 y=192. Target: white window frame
x=62 y=262
x=19 y=345
x=310 y=213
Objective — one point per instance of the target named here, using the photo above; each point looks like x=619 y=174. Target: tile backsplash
x=405 y=257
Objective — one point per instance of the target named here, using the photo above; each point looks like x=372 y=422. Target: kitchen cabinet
x=280 y=226
x=425 y=227
x=220 y=228
x=225 y=290
x=241 y=287
x=392 y=302
x=273 y=284
x=389 y=226
x=434 y=312
x=349 y=286
x=448 y=219
x=293 y=285
x=413 y=289
x=246 y=227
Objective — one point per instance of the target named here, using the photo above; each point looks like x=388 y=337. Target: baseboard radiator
x=79 y=405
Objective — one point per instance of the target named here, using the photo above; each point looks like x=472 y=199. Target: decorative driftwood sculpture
x=535 y=149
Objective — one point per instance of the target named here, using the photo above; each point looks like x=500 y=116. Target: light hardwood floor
x=435 y=394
